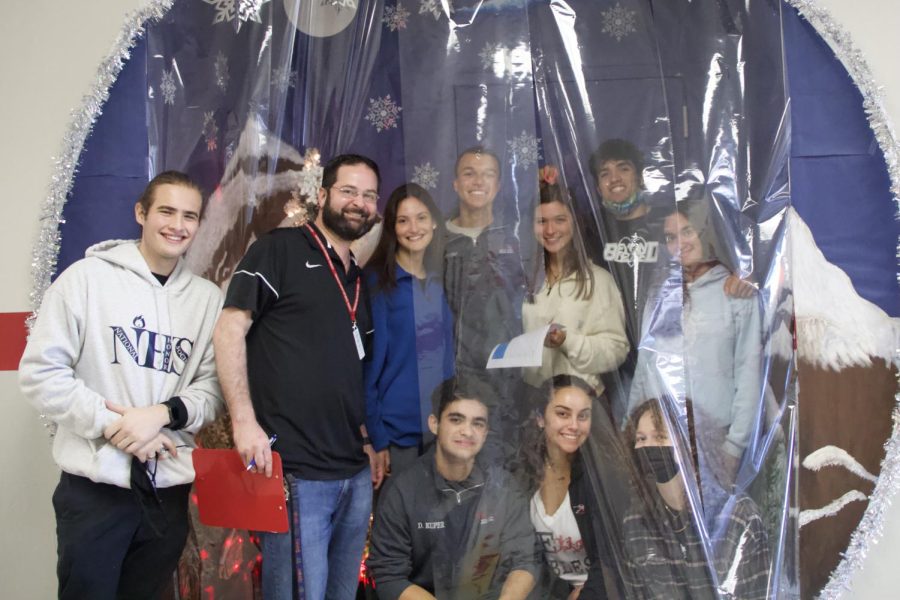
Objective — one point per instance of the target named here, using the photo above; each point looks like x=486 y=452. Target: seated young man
x=450 y=527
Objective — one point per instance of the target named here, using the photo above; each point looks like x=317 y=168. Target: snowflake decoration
x=210 y=131
x=383 y=113
x=489 y=53
x=239 y=11
x=255 y=107
x=310 y=178
x=167 y=86
x=229 y=152
x=283 y=78
x=524 y=149
x=395 y=17
x=426 y=176
x=430 y=6
x=618 y=22
x=221 y=71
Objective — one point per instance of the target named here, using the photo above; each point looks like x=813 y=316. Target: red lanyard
x=337 y=280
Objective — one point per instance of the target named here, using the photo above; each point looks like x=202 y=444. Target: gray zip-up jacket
x=458 y=540
x=485 y=285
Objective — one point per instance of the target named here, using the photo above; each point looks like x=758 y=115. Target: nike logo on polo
x=309 y=266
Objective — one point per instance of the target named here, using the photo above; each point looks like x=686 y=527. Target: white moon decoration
x=321 y=18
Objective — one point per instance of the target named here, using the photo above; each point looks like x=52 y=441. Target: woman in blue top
x=413 y=342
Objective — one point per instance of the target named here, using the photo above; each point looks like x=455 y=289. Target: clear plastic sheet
x=655 y=135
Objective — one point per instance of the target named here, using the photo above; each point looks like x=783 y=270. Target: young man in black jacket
x=449 y=527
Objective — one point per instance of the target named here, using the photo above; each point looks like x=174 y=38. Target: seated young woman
x=671 y=551
x=573 y=516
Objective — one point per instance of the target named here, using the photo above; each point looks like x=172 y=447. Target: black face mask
x=658 y=460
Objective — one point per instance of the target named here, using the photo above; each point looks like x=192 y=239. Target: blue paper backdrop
x=839 y=182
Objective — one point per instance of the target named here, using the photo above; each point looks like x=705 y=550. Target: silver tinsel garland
x=870 y=528
x=46 y=250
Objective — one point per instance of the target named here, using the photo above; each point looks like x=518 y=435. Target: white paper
x=526 y=350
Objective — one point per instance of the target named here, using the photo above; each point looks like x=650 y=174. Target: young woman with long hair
x=717 y=340
x=413 y=341
x=571 y=514
x=577 y=298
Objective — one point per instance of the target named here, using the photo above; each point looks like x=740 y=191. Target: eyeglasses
x=351 y=193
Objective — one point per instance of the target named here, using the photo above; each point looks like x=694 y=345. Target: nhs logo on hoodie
x=151 y=349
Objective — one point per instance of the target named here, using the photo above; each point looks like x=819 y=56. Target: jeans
x=334 y=521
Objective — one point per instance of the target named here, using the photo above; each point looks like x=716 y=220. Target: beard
x=341 y=226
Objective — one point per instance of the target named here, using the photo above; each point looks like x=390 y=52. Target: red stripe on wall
x=12 y=339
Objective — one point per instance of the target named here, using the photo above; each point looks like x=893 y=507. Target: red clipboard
x=228 y=495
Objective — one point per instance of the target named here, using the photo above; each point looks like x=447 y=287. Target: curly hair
x=617 y=149
x=531 y=457
x=661 y=413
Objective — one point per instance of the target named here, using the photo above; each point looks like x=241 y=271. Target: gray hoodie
x=720 y=353
x=107 y=329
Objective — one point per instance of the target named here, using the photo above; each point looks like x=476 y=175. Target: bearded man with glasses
x=293 y=335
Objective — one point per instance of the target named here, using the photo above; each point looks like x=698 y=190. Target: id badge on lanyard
x=359 y=343
x=357 y=338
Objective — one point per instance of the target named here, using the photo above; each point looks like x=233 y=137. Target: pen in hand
x=271 y=441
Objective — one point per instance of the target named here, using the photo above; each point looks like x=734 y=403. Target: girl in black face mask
x=670 y=552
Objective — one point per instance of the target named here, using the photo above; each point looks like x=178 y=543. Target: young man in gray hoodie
x=120 y=359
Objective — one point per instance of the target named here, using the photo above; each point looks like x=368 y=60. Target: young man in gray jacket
x=120 y=359
x=449 y=527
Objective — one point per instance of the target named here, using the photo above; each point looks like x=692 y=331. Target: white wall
x=49 y=52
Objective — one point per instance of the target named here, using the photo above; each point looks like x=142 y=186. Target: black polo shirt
x=305 y=374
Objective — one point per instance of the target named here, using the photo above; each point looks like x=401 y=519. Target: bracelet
x=366 y=441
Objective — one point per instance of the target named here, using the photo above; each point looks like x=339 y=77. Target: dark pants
x=105 y=547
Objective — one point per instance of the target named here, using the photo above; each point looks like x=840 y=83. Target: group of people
x=604 y=472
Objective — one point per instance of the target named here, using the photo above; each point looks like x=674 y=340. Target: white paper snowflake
x=240 y=11
x=426 y=176
x=310 y=178
x=618 y=22
x=524 y=149
x=210 y=131
x=221 y=71
x=167 y=86
x=383 y=113
x=257 y=108
x=284 y=78
x=492 y=56
x=395 y=17
x=430 y=6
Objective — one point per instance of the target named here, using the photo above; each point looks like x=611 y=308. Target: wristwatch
x=171 y=414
